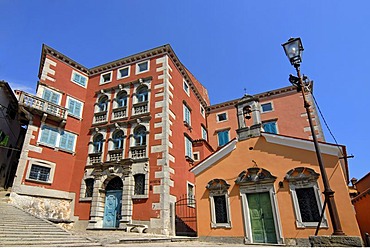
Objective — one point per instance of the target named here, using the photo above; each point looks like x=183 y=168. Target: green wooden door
x=262 y=218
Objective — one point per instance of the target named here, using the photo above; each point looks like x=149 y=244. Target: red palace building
x=111 y=147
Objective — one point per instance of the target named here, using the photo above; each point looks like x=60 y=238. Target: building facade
x=111 y=146
x=11 y=135
x=265 y=188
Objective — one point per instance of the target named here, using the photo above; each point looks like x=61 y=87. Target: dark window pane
x=220 y=209
x=89 y=187
x=308 y=205
x=39 y=173
x=139 y=184
x=266 y=107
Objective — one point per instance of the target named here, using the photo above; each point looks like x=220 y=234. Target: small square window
x=266 y=107
x=142 y=67
x=221 y=117
x=124 y=72
x=196 y=156
x=106 y=78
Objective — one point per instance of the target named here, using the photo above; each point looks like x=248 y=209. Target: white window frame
x=191 y=198
x=81 y=75
x=272 y=107
x=204 y=131
x=74 y=99
x=102 y=78
x=198 y=155
x=202 y=111
x=299 y=185
x=187 y=109
x=138 y=68
x=188 y=140
x=43 y=163
x=218 y=114
x=57 y=140
x=119 y=74
x=187 y=86
x=214 y=224
x=41 y=93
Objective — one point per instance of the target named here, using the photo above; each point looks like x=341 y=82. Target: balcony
x=37 y=105
x=140 y=108
x=100 y=117
x=119 y=113
x=138 y=152
x=95 y=158
x=115 y=155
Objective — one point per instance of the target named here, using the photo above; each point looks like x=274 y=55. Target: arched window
x=121 y=99
x=118 y=140
x=98 y=143
x=142 y=94
x=103 y=103
x=140 y=136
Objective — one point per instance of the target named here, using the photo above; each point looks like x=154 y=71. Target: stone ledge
x=326 y=241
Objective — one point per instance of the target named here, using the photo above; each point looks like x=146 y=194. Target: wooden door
x=262 y=218
x=112 y=209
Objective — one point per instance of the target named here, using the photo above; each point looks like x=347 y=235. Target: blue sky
x=228 y=45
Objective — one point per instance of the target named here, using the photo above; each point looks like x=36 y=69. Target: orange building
x=266 y=188
x=282 y=112
x=362 y=203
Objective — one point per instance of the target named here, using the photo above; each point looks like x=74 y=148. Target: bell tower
x=248 y=111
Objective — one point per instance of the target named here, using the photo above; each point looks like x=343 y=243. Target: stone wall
x=48 y=208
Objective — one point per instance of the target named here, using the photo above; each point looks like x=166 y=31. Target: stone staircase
x=18 y=228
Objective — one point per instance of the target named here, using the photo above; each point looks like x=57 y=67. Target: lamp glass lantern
x=293 y=49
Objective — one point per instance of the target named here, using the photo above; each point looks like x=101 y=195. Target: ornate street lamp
x=293 y=50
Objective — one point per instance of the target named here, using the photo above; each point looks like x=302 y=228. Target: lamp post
x=293 y=49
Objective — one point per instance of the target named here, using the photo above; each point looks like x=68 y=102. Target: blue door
x=112 y=210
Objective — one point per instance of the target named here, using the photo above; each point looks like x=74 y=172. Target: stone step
x=47 y=243
x=24 y=232
x=53 y=238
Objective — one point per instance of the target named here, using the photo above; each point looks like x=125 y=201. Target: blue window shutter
x=46 y=95
x=270 y=127
x=48 y=135
x=54 y=98
x=71 y=106
x=77 y=110
x=63 y=140
x=223 y=137
x=67 y=141
x=44 y=134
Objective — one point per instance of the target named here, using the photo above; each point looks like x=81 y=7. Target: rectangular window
x=79 y=79
x=223 y=137
x=221 y=117
x=50 y=96
x=220 y=209
x=270 y=127
x=39 y=173
x=89 y=187
x=266 y=107
x=202 y=111
x=186 y=88
x=139 y=184
x=123 y=72
x=142 y=67
x=67 y=141
x=308 y=205
x=204 y=133
x=49 y=135
x=188 y=148
x=74 y=107
x=191 y=195
x=187 y=115
x=196 y=156
x=106 y=78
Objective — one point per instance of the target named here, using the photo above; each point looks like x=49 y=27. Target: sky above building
x=228 y=45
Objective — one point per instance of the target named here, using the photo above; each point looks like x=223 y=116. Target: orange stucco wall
x=362 y=203
x=278 y=160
